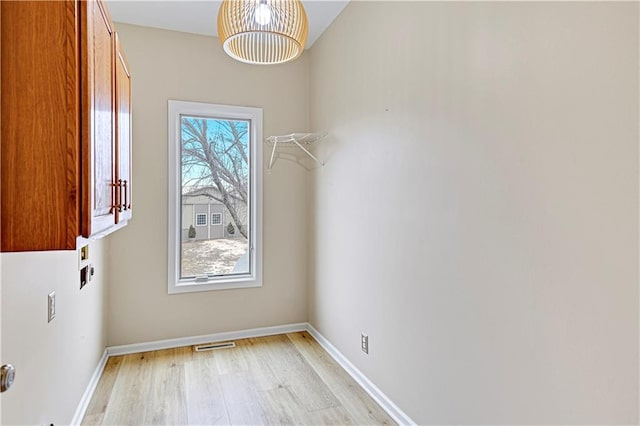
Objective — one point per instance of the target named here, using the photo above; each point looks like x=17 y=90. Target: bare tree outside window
x=215 y=180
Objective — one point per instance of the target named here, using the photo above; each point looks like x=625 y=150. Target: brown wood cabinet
x=61 y=136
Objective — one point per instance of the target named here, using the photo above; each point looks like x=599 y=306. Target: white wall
x=478 y=213
x=172 y=65
x=54 y=361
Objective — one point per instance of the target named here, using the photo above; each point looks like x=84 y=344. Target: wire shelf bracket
x=296 y=139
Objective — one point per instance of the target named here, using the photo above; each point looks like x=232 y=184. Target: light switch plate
x=51 y=306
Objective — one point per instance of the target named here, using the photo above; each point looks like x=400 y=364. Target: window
x=201 y=219
x=215 y=170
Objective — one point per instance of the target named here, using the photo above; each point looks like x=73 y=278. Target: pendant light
x=263 y=31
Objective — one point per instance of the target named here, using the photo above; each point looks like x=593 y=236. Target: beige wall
x=54 y=361
x=172 y=65
x=508 y=134
x=504 y=290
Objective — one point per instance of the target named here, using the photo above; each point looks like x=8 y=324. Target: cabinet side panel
x=39 y=126
x=73 y=125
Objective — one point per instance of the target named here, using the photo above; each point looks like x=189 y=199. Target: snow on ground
x=211 y=256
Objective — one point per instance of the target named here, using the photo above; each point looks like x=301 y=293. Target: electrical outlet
x=364 y=343
x=51 y=299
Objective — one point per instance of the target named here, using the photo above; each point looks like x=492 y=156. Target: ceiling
x=200 y=17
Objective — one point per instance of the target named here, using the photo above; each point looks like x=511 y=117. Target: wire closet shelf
x=301 y=140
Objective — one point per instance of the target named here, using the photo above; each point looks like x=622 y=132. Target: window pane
x=215 y=184
x=201 y=219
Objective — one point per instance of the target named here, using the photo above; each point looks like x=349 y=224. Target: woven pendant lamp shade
x=255 y=39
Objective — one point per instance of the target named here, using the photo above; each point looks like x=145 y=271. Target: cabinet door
x=99 y=212
x=123 y=135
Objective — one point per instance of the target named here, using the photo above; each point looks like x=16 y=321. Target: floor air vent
x=212 y=346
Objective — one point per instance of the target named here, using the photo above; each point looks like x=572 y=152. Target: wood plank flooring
x=283 y=379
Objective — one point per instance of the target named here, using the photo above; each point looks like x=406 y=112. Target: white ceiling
x=200 y=16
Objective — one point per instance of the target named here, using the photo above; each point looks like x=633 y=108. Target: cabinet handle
x=119 y=195
x=125 y=194
x=115 y=195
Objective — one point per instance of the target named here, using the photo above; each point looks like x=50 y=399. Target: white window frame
x=205 y=219
x=254 y=278
x=212 y=221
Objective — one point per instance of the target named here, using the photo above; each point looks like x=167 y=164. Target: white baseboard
x=88 y=393
x=392 y=409
x=207 y=338
x=374 y=392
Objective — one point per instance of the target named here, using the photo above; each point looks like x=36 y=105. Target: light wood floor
x=284 y=379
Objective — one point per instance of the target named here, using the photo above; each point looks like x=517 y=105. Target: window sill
x=191 y=286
